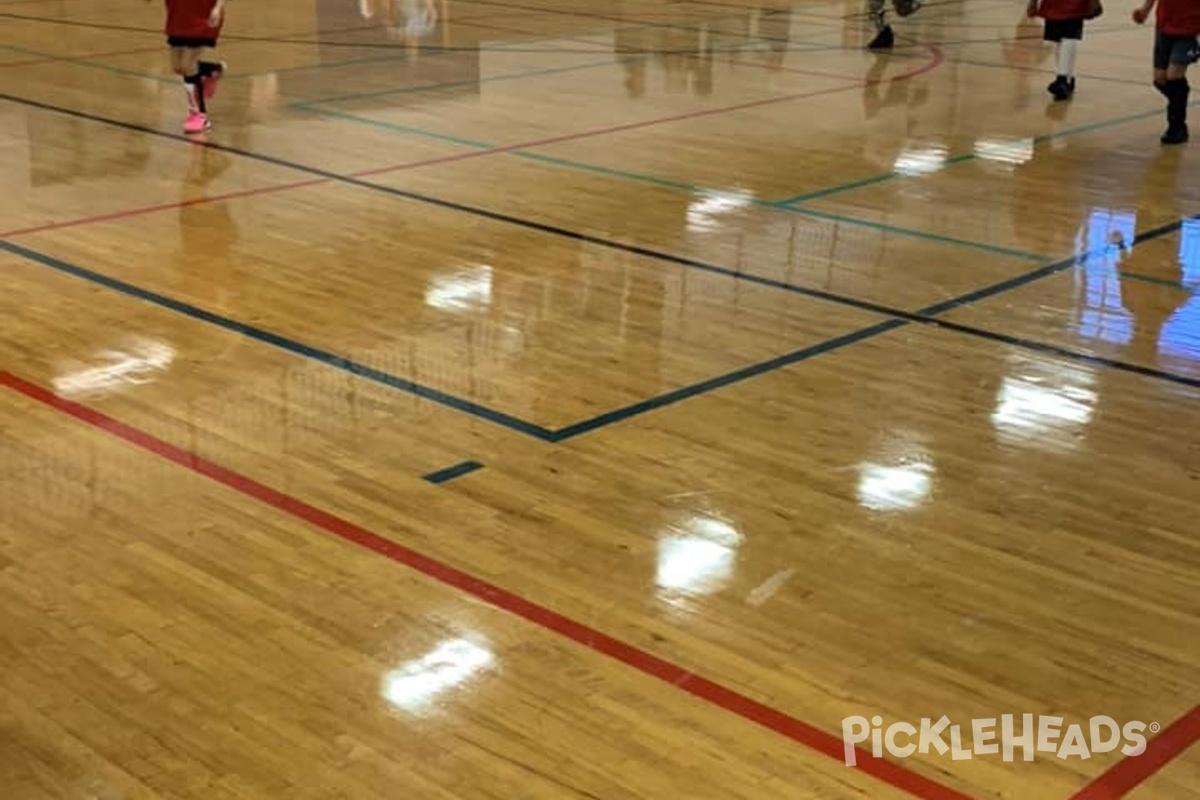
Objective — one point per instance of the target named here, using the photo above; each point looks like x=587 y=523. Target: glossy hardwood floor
x=562 y=399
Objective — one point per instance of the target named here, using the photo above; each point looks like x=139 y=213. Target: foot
x=884 y=40
x=212 y=79
x=1176 y=134
x=196 y=122
x=1062 y=88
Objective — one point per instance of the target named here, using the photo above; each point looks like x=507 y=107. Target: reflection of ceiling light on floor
x=461 y=291
x=699 y=557
x=893 y=488
x=418 y=682
x=1006 y=151
x=704 y=213
x=1029 y=410
x=131 y=366
x=921 y=160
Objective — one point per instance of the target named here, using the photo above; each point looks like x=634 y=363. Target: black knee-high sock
x=1162 y=89
x=195 y=87
x=1177 y=93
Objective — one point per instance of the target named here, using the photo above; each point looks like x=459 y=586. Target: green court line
x=686 y=188
x=828 y=191
x=389 y=126
x=91 y=64
x=919 y=234
x=1164 y=282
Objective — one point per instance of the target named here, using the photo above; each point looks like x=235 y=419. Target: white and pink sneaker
x=196 y=122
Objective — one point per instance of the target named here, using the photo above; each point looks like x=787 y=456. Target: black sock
x=195 y=84
x=208 y=68
x=1177 y=100
x=1162 y=89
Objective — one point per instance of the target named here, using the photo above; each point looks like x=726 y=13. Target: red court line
x=640 y=660
x=172 y=206
x=936 y=60
x=1128 y=773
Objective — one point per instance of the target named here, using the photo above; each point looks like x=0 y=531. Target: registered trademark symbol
x=1155 y=727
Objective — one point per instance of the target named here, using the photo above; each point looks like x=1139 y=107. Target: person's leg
x=1068 y=50
x=1172 y=55
x=211 y=73
x=193 y=82
x=1177 y=91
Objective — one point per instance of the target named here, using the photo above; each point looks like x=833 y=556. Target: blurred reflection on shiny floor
x=561 y=399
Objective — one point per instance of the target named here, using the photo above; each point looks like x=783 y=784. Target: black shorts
x=1058 y=29
x=1180 y=50
x=182 y=41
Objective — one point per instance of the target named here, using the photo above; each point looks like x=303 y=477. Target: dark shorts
x=1058 y=29
x=1181 y=50
x=183 y=41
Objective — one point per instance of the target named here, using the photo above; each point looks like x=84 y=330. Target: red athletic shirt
x=188 y=19
x=1179 y=17
x=1065 y=9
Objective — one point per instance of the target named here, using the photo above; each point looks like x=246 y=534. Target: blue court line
x=281 y=342
x=926 y=316
x=452 y=472
x=721 y=381
x=898 y=317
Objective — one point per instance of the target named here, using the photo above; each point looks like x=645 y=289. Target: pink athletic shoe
x=196 y=122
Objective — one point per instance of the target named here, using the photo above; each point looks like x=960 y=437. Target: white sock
x=1067 y=50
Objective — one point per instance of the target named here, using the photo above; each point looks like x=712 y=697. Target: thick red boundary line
x=640 y=660
x=1128 y=773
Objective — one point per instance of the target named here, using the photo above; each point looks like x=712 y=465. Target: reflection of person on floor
x=885 y=37
x=1024 y=53
x=406 y=21
x=633 y=47
x=208 y=231
x=775 y=28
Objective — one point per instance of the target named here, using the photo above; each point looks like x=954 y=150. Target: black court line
x=897 y=316
x=452 y=472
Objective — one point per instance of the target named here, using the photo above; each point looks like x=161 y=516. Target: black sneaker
x=1062 y=87
x=884 y=40
x=1176 y=134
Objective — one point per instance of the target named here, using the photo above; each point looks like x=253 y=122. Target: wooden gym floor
x=569 y=399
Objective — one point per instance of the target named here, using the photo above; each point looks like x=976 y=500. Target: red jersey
x=1178 y=17
x=188 y=19
x=1065 y=9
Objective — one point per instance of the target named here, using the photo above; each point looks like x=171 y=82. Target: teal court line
x=82 y=62
x=1164 y=282
x=962 y=158
x=784 y=205
x=687 y=188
